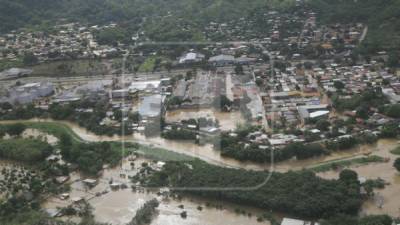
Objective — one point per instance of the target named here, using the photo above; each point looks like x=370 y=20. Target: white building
x=191 y=57
x=288 y=221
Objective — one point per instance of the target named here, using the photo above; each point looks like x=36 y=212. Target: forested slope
x=383 y=16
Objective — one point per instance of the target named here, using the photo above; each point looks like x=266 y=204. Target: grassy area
x=346 y=163
x=148 y=65
x=161 y=154
x=7 y=64
x=24 y=150
x=58 y=129
x=82 y=67
x=396 y=151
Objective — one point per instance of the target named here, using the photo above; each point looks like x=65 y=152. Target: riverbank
x=159 y=147
x=385 y=200
x=58 y=128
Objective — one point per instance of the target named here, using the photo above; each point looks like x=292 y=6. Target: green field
x=7 y=64
x=346 y=163
x=58 y=129
x=396 y=151
x=82 y=67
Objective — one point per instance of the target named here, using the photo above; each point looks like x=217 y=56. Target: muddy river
x=208 y=154
x=390 y=195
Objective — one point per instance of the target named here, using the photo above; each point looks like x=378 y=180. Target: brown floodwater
x=119 y=206
x=207 y=152
x=390 y=195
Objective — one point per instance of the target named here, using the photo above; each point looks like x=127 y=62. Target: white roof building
x=289 y=221
x=191 y=57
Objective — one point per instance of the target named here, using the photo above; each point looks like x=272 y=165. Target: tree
x=323 y=125
x=393 y=60
x=376 y=220
x=65 y=144
x=362 y=112
x=340 y=219
x=397 y=164
x=348 y=176
x=389 y=131
x=239 y=69
x=15 y=129
x=338 y=85
x=30 y=59
x=393 y=111
x=222 y=103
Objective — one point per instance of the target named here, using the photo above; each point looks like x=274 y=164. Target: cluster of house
x=326 y=37
x=298 y=29
x=69 y=41
x=291 y=97
x=355 y=79
x=268 y=24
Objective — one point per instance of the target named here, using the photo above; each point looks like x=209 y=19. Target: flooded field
x=390 y=196
x=227 y=120
x=118 y=206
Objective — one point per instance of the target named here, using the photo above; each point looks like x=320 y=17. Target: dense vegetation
x=396 y=164
x=90 y=157
x=367 y=220
x=381 y=16
x=298 y=193
x=179 y=134
x=238 y=147
x=89 y=120
x=24 y=150
x=145 y=214
x=232 y=147
x=369 y=98
x=22 y=13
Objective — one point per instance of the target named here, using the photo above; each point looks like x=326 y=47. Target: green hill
x=383 y=16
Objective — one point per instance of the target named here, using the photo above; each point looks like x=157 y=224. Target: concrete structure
x=221 y=60
x=14 y=73
x=28 y=93
x=312 y=111
x=191 y=57
x=145 y=85
x=151 y=106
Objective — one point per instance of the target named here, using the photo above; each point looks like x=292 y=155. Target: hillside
x=381 y=16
